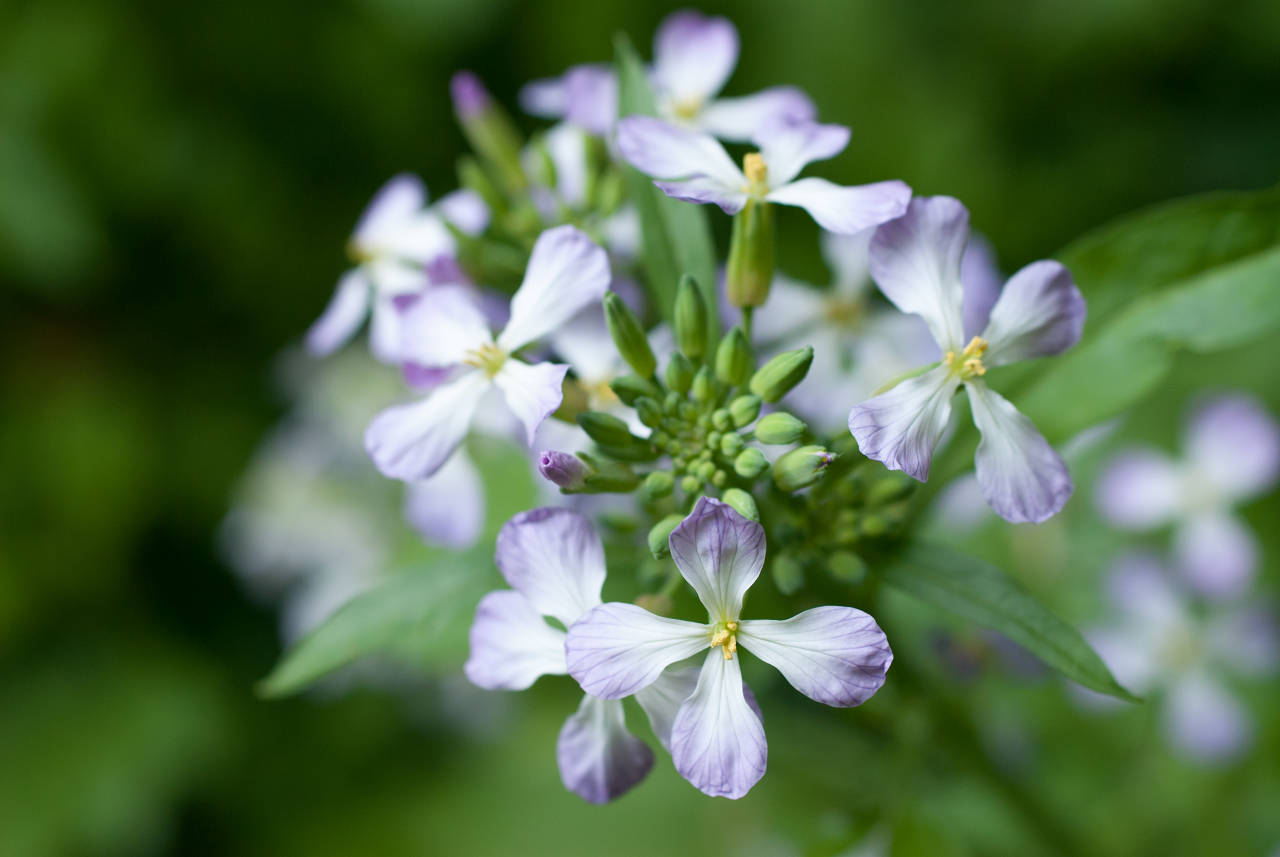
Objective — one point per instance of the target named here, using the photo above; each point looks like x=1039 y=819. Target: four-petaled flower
x=693 y=167
x=394 y=241
x=835 y=655
x=554 y=562
x=445 y=329
x=915 y=260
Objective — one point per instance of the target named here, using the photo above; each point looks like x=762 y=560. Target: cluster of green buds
x=703 y=412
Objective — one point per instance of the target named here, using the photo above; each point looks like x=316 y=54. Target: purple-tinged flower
x=585 y=96
x=554 y=563
x=562 y=469
x=916 y=262
x=470 y=98
x=1158 y=645
x=448 y=508
x=835 y=655
x=395 y=238
x=446 y=328
x=1231 y=454
x=692 y=166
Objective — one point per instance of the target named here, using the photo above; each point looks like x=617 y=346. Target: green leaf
x=675 y=234
x=984 y=594
x=419 y=615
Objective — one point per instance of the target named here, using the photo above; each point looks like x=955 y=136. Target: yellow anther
x=976 y=347
x=969 y=361
x=973 y=366
x=732 y=626
x=754 y=167
x=727 y=638
x=687 y=108
x=488 y=357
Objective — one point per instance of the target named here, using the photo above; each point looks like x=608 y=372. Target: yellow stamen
x=488 y=357
x=727 y=637
x=971 y=365
x=687 y=108
x=756 y=171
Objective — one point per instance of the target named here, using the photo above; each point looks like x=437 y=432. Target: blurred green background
x=177 y=181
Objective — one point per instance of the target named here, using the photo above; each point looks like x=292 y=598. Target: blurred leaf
x=676 y=237
x=984 y=594
x=420 y=615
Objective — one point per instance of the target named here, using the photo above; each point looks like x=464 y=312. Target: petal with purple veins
x=599 y=759
x=720 y=553
x=1039 y=313
x=717 y=740
x=411 y=441
x=661 y=700
x=531 y=392
x=666 y=151
x=837 y=208
x=511 y=644
x=901 y=427
x=554 y=558
x=566 y=272
x=615 y=650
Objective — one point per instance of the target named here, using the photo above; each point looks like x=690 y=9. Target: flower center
x=687 y=108
x=726 y=635
x=843 y=312
x=488 y=357
x=969 y=363
x=757 y=172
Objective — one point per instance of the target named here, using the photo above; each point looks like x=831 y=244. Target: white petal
x=661 y=700
x=666 y=151
x=900 y=427
x=693 y=55
x=466 y=210
x=397 y=201
x=421 y=238
x=554 y=558
x=617 y=649
x=448 y=508
x=546 y=97
x=442 y=327
x=599 y=759
x=511 y=644
x=720 y=554
x=532 y=392
x=566 y=145
x=585 y=344
x=845 y=209
x=567 y=271
x=342 y=317
x=740 y=119
x=915 y=260
x=1139 y=489
x=705 y=189
x=1040 y=312
x=1217 y=554
x=846 y=256
x=1234 y=444
x=717 y=740
x=1022 y=477
x=386 y=329
x=787 y=147
x=592 y=96
x=1205 y=720
x=411 y=441
x=834 y=655
x=794 y=309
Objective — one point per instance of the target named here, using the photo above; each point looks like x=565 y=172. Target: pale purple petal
x=592 y=92
x=787 y=147
x=1022 y=477
x=1217 y=554
x=915 y=260
x=425 y=378
x=901 y=427
x=566 y=271
x=1205 y=721
x=555 y=559
x=342 y=317
x=1131 y=659
x=443 y=327
x=617 y=649
x=1235 y=444
x=1039 y=313
x=511 y=644
x=834 y=655
x=599 y=759
x=845 y=209
x=1140 y=585
x=661 y=700
x=720 y=554
x=566 y=145
x=386 y=330
x=703 y=190
x=448 y=508
x=395 y=202
x=666 y=151
x=1245 y=640
x=413 y=440
x=532 y=392
x=982 y=283
x=1139 y=489
x=693 y=56
x=585 y=344
x=466 y=210
x=470 y=98
x=717 y=740
x=739 y=119
x=546 y=97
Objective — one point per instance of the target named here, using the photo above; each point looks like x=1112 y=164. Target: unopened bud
x=488 y=129
x=779 y=429
x=731 y=444
x=744 y=409
x=776 y=378
x=733 y=358
x=892 y=486
x=690 y=319
x=742 y=502
x=801 y=467
x=658 y=484
x=750 y=463
x=628 y=335
x=649 y=412
x=788 y=575
x=750 y=270
x=679 y=373
x=565 y=470
x=847 y=566
x=660 y=535
x=721 y=420
x=628 y=388
x=704 y=389
x=605 y=429
x=470 y=98
x=690 y=484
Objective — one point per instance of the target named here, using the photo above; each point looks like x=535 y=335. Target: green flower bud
x=607 y=477
x=892 y=486
x=628 y=335
x=780 y=429
x=744 y=409
x=679 y=373
x=750 y=463
x=660 y=535
x=649 y=412
x=628 y=388
x=703 y=389
x=704 y=470
x=788 y=575
x=750 y=269
x=657 y=484
x=776 y=378
x=690 y=319
x=690 y=484
x=733 y=358
x=847 y=566
x=719 y=478
x=721 y=420
x=742 y=502
x=671 y=404
x=801 y=467
x=731 y=444
x=713 y=439
x=488 y=129
x=874 y=526
x=606 y=429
